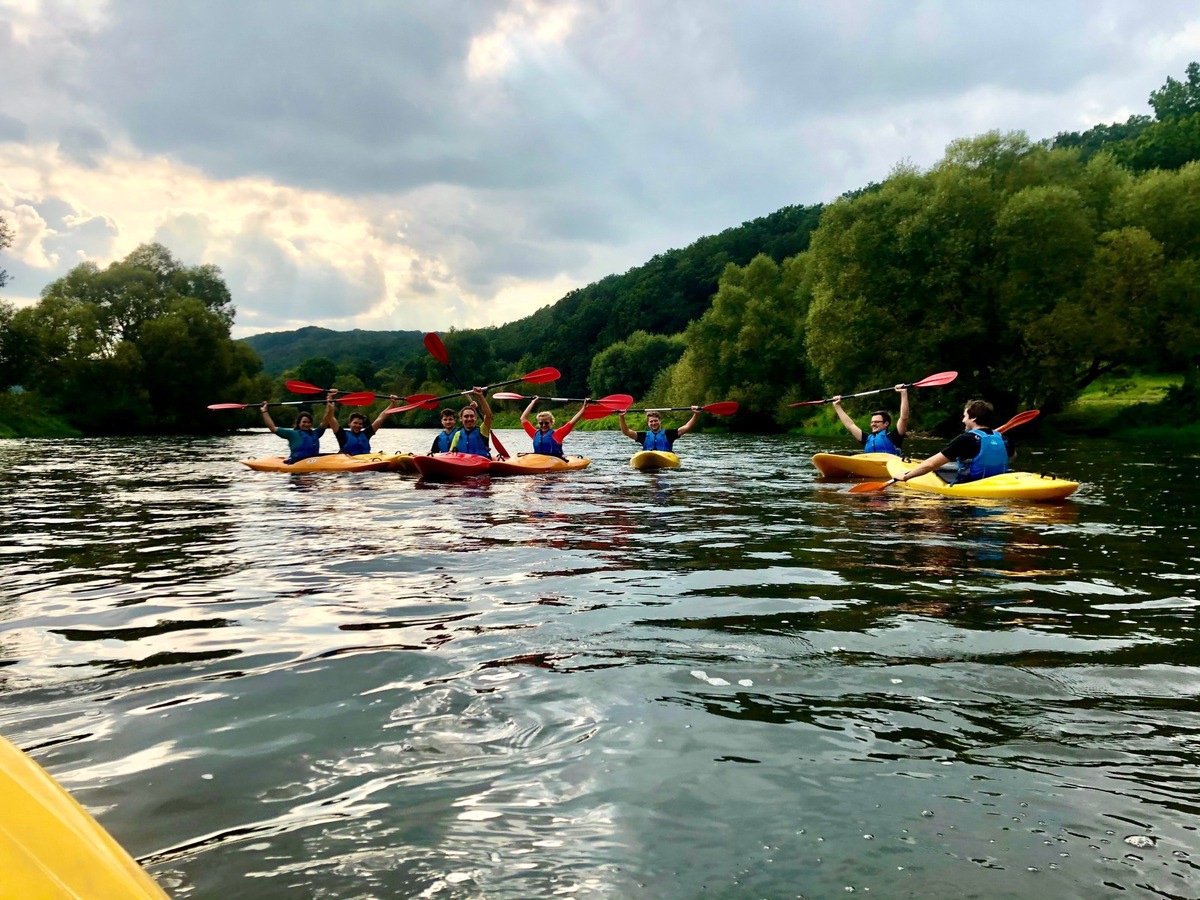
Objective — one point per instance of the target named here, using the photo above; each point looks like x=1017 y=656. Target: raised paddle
x=429 y=401
x=363 y=398
x=1020 y=418
x=931 y=381
x=597 y=409
x=723 y=408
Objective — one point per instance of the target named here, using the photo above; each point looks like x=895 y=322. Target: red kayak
x=450 y=466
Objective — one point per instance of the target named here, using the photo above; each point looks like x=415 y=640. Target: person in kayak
x=656 y=438
x=471 y=437
x=441 y=443
x=979 y=451
x=546 y=438
x=302 y=440
x=356 y=438
x=879 y=439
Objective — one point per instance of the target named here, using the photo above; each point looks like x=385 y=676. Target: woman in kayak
x=655 y=438
x=358 y=438
x=441 y=443
x=979 y=451
x=470 y=438
x=302 y=440
x=880 y=439
x=546 y=438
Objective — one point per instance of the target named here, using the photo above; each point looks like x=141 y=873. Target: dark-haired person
x=979 y=451
x=546 y=438
x=879 y=439
x=472 y=437
x=655 y=438
x=303 y=440
x=356 y=437
x=441 y=443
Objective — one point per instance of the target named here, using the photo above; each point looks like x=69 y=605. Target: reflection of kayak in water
x=451 y=466
x=1009 y=486
x=537 y=464
x=857 y=465
x=654 y=459
x=51 y=847
x=329 y=462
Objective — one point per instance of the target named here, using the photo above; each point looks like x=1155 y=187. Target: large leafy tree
x=630 y=366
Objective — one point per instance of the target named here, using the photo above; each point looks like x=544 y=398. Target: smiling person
x=441 y=443
x=471 y=437
x=979 y=451
x=303 y=441
x=358 y=438
x=655 y=438
x=879 y=439
x=546 y=438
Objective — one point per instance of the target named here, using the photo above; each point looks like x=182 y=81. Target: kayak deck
x=329 y=462
x=856 y=465
x=645 y=460
x=392 y=462
x=451 y=466
x=537 y=464
x=51 y=847
x=1009 y=486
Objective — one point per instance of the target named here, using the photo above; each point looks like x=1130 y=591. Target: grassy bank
x=22 y=416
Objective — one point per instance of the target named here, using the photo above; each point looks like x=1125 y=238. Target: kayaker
x=471 y=437
x=979 y=451
x=302 y=440
x=441 y=443
x=880 y=439
x=358 y=438
x=546 y=438
x=656 y=438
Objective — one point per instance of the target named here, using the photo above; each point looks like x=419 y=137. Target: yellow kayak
x=537 y=464
x=392 y=462
x=328 y=462
x=857 y=465
x=1009 y=486
x=50 y=847
x=654 y=459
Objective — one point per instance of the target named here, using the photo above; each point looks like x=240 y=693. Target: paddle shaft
x=929 y=381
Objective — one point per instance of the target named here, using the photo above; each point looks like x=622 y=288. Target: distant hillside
x=282 y=350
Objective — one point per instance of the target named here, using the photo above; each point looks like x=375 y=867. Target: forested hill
x=369 y=350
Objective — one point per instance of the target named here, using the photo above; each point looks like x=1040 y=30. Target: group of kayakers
x=979 y=451
x=462 y=433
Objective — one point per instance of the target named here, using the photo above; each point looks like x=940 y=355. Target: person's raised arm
x=625 y=429
x=394 y=401
x=528 y=410
x=487 y=410
x=902 y=421
x=690 y=423
x=267 y=420
x=579 y=415
x=330 y=418
x=846 y=420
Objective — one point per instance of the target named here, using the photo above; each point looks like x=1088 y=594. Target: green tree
x=1178 y=99
x=630 y=366
x=318 y=370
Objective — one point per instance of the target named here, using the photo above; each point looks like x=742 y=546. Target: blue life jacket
x=310 y=445
x=444 y=439
x=992 y=458
x=544 y=442
x=879 y=442
x=356 y=443
x=656 y=441
x=473 y=442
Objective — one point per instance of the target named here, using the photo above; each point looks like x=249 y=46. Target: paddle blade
x=598 y=411
x=725 y=408
x=509 y=395
x=303 y=387
x=616 y=401
x=362 y=398
x=229 y=405
x=935 y=380
x=869 y=487
x=436 y=348
x=808 y=403
x=542 y=375
x=1020 y=419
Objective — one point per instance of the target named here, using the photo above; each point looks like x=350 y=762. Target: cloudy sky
x=422 y=164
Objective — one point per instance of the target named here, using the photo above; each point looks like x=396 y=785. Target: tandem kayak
x=857 y=465
x=654 y=459
x=451 y=466
x=537 y=464
x=1009 y=486
x=328 y=462
x=51 y=847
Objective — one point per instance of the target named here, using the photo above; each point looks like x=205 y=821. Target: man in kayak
x=655 y=438
x=471 y=438
x=880 y=439
x=302 y=440
x=979 y=451
x=546 y=438
x=358 y=438
x=441 y=443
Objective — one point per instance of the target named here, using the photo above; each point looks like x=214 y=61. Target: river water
x=728 y=680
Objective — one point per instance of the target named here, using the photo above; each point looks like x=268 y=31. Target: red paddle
x=363 y=398
x=724 y=408
x=931 y=381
